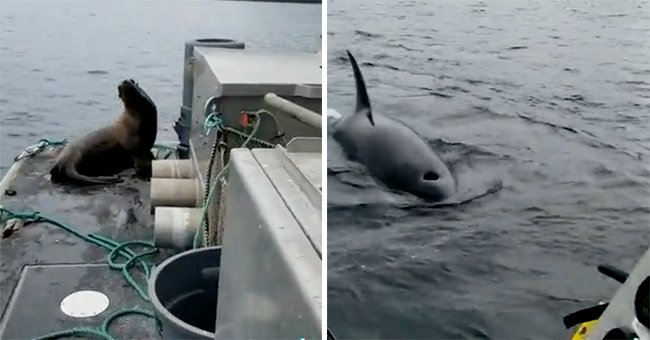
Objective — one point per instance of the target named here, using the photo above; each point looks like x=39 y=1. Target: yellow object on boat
x=583 y=330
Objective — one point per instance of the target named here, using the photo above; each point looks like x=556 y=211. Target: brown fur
x=124 y=144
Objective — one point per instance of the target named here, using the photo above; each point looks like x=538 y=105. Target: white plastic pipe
x=172 y=168
x=175 y=227
x=294 y=110
x=174 y=192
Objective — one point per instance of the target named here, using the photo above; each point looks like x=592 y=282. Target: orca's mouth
x=430 y=176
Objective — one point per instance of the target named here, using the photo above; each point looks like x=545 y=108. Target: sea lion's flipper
x=363 y=101
x=142 y=163
x=71 y=173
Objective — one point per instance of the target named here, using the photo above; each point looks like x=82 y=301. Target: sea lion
x=392 y=151
x=124 y=144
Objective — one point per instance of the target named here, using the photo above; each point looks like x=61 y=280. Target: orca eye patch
x=430 y=176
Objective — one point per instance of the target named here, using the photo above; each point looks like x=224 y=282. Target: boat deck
x=42 y=263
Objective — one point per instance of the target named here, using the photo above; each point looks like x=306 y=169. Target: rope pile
x=116 y=249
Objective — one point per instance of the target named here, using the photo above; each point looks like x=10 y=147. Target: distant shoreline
x=284 y=1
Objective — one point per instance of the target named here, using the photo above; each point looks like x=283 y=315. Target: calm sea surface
x=61 y=60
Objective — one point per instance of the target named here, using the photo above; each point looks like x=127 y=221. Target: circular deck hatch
x=84 y=304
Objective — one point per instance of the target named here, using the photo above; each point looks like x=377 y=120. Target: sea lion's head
x=133 y=96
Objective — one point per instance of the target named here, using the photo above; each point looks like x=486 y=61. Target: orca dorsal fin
x=363 y=101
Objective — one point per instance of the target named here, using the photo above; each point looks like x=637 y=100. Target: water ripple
x=557 y=110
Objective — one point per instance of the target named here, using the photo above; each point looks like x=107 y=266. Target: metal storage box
x=239 y=79
x=271 y=268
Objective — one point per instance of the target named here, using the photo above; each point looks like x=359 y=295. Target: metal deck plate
x=120 y=212
x=34 y=309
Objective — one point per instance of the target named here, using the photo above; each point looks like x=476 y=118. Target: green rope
x=107 y=323
x=217 y=179
x=244 y=135
x=213 y=120
x=76 y=332
x=50 y=143
x=206 y=205
x=102 y=333
x=38 y=148
x=116 y=250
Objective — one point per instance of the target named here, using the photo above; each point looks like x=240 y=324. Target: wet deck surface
x=41 y=263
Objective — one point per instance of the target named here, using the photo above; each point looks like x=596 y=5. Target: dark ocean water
x=550 y=97
x=61 y=60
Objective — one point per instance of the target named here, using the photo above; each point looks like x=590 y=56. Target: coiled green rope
x=76 y=332
x=116 y=250
x=102 y=333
